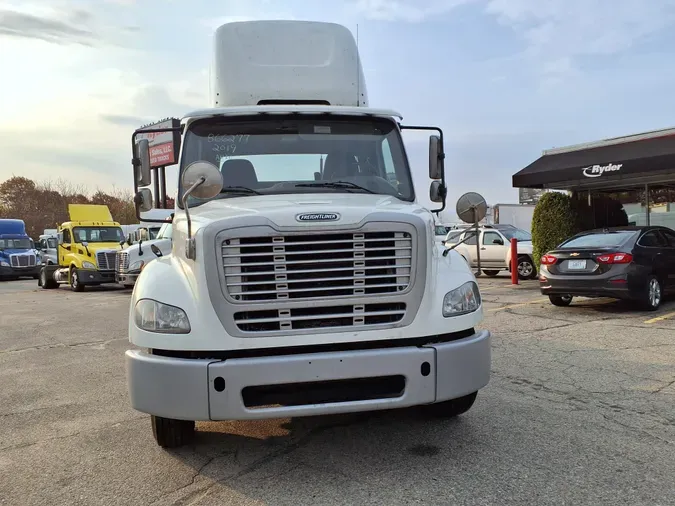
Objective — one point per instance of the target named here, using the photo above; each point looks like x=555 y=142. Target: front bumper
x=94 y=277
x=12 y=272
x=128 y=278
x=209 y=389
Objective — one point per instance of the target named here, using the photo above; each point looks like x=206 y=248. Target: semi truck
x=303 y=277
x=133 y=259
x=18 y=257
x=48 y=244
x=86 y=250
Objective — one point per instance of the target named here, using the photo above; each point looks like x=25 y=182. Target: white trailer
x=518 y=215
x=303 y=277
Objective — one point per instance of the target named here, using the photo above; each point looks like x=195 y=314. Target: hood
x=133 y=249
x=525 y=247
x=95 y=246
x=285 y=210
x=14 y=251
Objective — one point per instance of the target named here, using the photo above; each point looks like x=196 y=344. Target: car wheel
x=525 y=267
x=171 y=433
x=560 y=300
x=492 y=274
x=653 y=295
x=451 y=408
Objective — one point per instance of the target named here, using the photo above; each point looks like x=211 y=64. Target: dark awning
x=650 y=160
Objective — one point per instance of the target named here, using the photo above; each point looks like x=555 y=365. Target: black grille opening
x=320 y=317
x=324 y=392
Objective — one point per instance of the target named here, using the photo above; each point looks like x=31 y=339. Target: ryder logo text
x=599 y=170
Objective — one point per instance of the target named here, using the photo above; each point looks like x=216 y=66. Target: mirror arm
x=190 y=247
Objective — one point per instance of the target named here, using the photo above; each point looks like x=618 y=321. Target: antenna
x=358 y=75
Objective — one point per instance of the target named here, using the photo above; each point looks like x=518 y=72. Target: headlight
x=154 y=316
x=462 y=300
x=4 y=264
x=88 y=265
x=136 y=266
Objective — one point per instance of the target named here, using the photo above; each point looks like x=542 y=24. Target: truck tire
x=526 y=268
x=492 y=274
x=451 y=408
x=75 y=283
x=170 y=433
x=47 y=282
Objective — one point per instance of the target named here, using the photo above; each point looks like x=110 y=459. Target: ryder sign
x=599 y=170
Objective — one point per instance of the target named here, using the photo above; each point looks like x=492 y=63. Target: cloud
x=117 y=119
x=412 y=11
x=559 y=32
x=68 y=30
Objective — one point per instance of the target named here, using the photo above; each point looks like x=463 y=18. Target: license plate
x=576 y=265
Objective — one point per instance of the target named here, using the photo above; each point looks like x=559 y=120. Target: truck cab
x=304 y=276
x=48 y=246
x=87 y=249
x=133 y=259
x=18 y=257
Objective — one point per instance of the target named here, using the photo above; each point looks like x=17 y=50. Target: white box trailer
x=518 y=215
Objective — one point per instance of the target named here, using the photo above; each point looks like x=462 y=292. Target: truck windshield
x=16 y=243
x=301 y=154
x=165 y=232
x=98 y=234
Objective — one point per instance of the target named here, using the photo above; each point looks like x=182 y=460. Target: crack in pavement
x=104 y=342
x=197 y=495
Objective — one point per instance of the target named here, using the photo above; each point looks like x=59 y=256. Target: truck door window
x=66 y=237
x=471 y=241
x=489 y=238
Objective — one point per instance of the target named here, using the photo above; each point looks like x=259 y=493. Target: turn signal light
x=548 y=259
x=615 y=258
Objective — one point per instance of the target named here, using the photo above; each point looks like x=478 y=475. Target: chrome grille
x=122 y=262
x=22 y=260
x=106 y=260
x=317 y=266
x=319 y=317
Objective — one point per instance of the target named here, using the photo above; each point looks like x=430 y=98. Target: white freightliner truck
x=304 y=277
x=133 y=259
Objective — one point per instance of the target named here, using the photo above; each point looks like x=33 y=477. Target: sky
x=504 y=79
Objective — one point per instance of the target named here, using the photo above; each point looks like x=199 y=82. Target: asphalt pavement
x=580 y=410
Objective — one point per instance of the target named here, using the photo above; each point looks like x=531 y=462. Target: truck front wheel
x=75 y=283
x=170 y=433
x=453 y=407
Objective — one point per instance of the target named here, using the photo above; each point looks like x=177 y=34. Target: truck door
x=65 y=248
x=493 y=249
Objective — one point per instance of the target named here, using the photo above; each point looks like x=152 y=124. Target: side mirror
x=156 y=250
x=143 y=200
x=437 y=191
x=206 y=177
x=435 y=158
x=144 y=172
x=85 y=243
x=498 y=241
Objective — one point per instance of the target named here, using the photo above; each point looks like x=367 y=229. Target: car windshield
x=153 y=232
x=454 y=236
x=301 y=154
x=166 y=232
x=600 y=239
x=516 y=233
x=98 y=234
x=440 y=230
x=16 y=243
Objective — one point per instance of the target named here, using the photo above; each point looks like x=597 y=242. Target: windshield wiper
x=335 y=184
x=240 y=189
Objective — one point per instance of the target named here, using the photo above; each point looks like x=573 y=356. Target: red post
x=514 y=261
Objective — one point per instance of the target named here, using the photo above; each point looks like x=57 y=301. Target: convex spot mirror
x=144 y=172
x=435 y=158
x=144 y=200
x=202 y=171
x=436 y=191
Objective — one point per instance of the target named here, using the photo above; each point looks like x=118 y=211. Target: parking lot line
x=518 y=305
x=660 y=318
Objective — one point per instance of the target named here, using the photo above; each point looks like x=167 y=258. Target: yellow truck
x=87 y=249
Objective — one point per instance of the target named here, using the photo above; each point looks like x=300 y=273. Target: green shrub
x=556 y=217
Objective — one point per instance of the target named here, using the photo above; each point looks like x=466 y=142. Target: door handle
x=482 y=248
